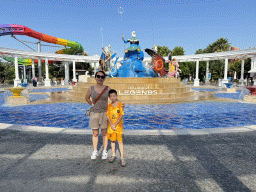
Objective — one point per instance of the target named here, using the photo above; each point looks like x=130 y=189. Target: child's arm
x=118 y=121
x=109 y=121
x=111 y=124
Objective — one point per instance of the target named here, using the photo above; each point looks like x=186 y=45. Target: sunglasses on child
x=99 y=76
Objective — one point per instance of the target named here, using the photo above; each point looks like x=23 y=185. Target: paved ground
x=50 y=159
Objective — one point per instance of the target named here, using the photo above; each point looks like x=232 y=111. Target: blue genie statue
x=132 y=65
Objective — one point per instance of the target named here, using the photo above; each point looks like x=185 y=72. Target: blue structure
x=228 y=85
x=132 y=65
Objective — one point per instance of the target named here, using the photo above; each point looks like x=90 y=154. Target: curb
x=55 y=130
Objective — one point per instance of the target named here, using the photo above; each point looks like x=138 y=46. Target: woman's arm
x=87 y=96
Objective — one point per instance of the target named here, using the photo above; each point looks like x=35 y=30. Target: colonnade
x=47 y=81
x=225 y=80
x=67 y=59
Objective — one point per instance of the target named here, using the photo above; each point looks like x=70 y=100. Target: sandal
x=112 y=159
x=123 y=163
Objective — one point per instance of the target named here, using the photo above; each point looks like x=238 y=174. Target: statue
x=132 y=65
x=157 y=60
x=105 y=59
x=172 y=65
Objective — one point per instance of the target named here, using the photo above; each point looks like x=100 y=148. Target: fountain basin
x=16 y=91
x=18 y=100
x=229 y=88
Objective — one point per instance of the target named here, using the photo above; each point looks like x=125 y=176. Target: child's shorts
x=115 y=136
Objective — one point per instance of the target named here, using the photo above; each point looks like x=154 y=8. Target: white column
x=242 y=73
x=47 y=81
x=252 y=63
x=95 y=68
x=86 y=76
x=74 y=72
x=33 y=68
x=17 y=80
x=207 y=72
x=196 y=80
x=66 y=73
x=24 y=74
x=39 y=63
x=253 y=67
x=225 y=80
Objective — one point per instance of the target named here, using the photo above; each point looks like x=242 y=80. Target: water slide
x=13 y=29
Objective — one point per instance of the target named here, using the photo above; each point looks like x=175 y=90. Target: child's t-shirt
x=114 y=113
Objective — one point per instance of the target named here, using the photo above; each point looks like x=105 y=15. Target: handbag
x=88 y=112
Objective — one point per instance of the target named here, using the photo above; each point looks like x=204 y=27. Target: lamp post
x=101 y=29
x=121 y=11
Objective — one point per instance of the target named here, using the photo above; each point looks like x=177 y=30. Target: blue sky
x=192 y=24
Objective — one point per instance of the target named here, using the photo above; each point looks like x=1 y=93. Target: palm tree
x=220 y=45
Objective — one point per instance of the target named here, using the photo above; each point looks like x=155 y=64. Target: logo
x=118 y=111
x=110 y=135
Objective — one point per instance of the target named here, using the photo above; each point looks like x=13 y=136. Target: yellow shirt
x=171 y=67
x=114 y=113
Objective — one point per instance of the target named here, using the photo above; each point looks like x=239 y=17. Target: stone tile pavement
x=52 y=159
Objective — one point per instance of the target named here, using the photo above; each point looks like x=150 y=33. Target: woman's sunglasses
x=99 y=76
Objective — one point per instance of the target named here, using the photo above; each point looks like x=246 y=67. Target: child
x=115 y=125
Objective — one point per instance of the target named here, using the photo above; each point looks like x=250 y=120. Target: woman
x=98 y=118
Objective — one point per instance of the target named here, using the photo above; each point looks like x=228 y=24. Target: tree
x=7 y=72
x=200 y=51
x=184 y=67
x=163 y=50
x=1 y=71
x=247 y=67
x=215 y=67
x=220 y=45
x=178 y=51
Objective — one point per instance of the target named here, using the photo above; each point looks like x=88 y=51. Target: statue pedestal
x=47 y=83
x=250 y=98
x=17 y=82
x=196 y=82
x=229 y=90
x=141 y=90
x=17 y=101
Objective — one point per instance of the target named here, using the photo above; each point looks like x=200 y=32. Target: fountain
x=229 y=88
x=137 y=83
x=251 y=97
x=17 y=98
x=16 y=91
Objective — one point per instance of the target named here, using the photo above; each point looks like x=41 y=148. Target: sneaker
x=94 y=155
x=104 y=155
